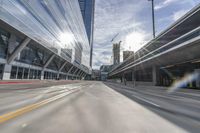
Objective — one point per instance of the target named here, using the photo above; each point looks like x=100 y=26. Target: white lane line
x=145 y=100
x=142 y=99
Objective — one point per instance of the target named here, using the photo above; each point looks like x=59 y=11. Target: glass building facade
x=87 y=9
x=55 y=27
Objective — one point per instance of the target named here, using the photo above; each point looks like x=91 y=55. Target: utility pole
x=153 y=17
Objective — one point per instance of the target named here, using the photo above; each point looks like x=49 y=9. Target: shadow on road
x=183 y=112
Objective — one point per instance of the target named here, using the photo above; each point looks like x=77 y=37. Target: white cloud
x=178 y=14
x=132 y=22
x=163 y=4
x=112 y=17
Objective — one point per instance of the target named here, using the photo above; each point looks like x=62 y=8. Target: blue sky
x=132 y=20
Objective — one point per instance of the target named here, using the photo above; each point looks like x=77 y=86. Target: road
x=91 y=107
x=181 y=108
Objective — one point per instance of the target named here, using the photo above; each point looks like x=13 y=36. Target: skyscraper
x=87 y=10
x=116 y=53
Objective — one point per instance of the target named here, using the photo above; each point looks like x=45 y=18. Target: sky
x=131 y=22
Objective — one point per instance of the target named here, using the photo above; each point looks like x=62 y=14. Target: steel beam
x=82 y=74
x=48 y=61
x=85 y=75
x=75 y=72
x=63 y=65
x=70 y=70
x=79 y=72
x=18 y=50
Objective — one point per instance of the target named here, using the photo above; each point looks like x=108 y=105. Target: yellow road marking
x=18 y=112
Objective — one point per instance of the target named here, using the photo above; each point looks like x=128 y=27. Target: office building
x=42 y=39
x=96 y=74
x=104 y=69
x=116 y=53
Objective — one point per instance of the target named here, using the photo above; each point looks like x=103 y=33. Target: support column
x=63 y=65
x=7 y=72
x=154 y=75
x=42 y=75
x=124 y=78
x=45 y=65
x=84 y=75
x=75 y=72
x=133 y=78
x=70 y=70
x=49 y=61
x=198 y=79
x=81 y=74
x=18 y=50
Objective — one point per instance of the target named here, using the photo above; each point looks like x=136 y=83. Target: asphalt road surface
x=96 y=107
x=181 y=108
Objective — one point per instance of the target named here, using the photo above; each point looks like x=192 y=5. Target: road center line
x=21 y=111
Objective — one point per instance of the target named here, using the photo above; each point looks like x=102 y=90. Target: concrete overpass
x=168 y=57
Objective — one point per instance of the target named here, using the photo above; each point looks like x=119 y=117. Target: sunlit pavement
x=88 y=107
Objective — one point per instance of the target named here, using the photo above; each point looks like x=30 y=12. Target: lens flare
x=183 y=82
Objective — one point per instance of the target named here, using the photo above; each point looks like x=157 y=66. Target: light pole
x=153 y=18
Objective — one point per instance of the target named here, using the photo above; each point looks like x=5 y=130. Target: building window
x=13 y=74
x=45 y=75
x=38 y=74
x=1 y=70
x=26 y=73
x=4 y=36
x=31 y=74
x=20 y=73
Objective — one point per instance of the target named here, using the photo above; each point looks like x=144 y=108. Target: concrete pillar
x=123 y=79
x=154 y=75
x=7 y=72
x=133 y=78
x=198 y=79
x=42 y=75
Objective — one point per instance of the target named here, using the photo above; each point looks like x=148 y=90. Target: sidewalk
x=7 y=82
x=10 y=85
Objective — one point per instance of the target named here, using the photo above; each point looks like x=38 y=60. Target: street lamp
x=153 y=18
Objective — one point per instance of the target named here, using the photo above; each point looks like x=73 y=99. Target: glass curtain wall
x=55 y=24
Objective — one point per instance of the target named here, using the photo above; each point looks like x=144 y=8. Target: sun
x=134 y=41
